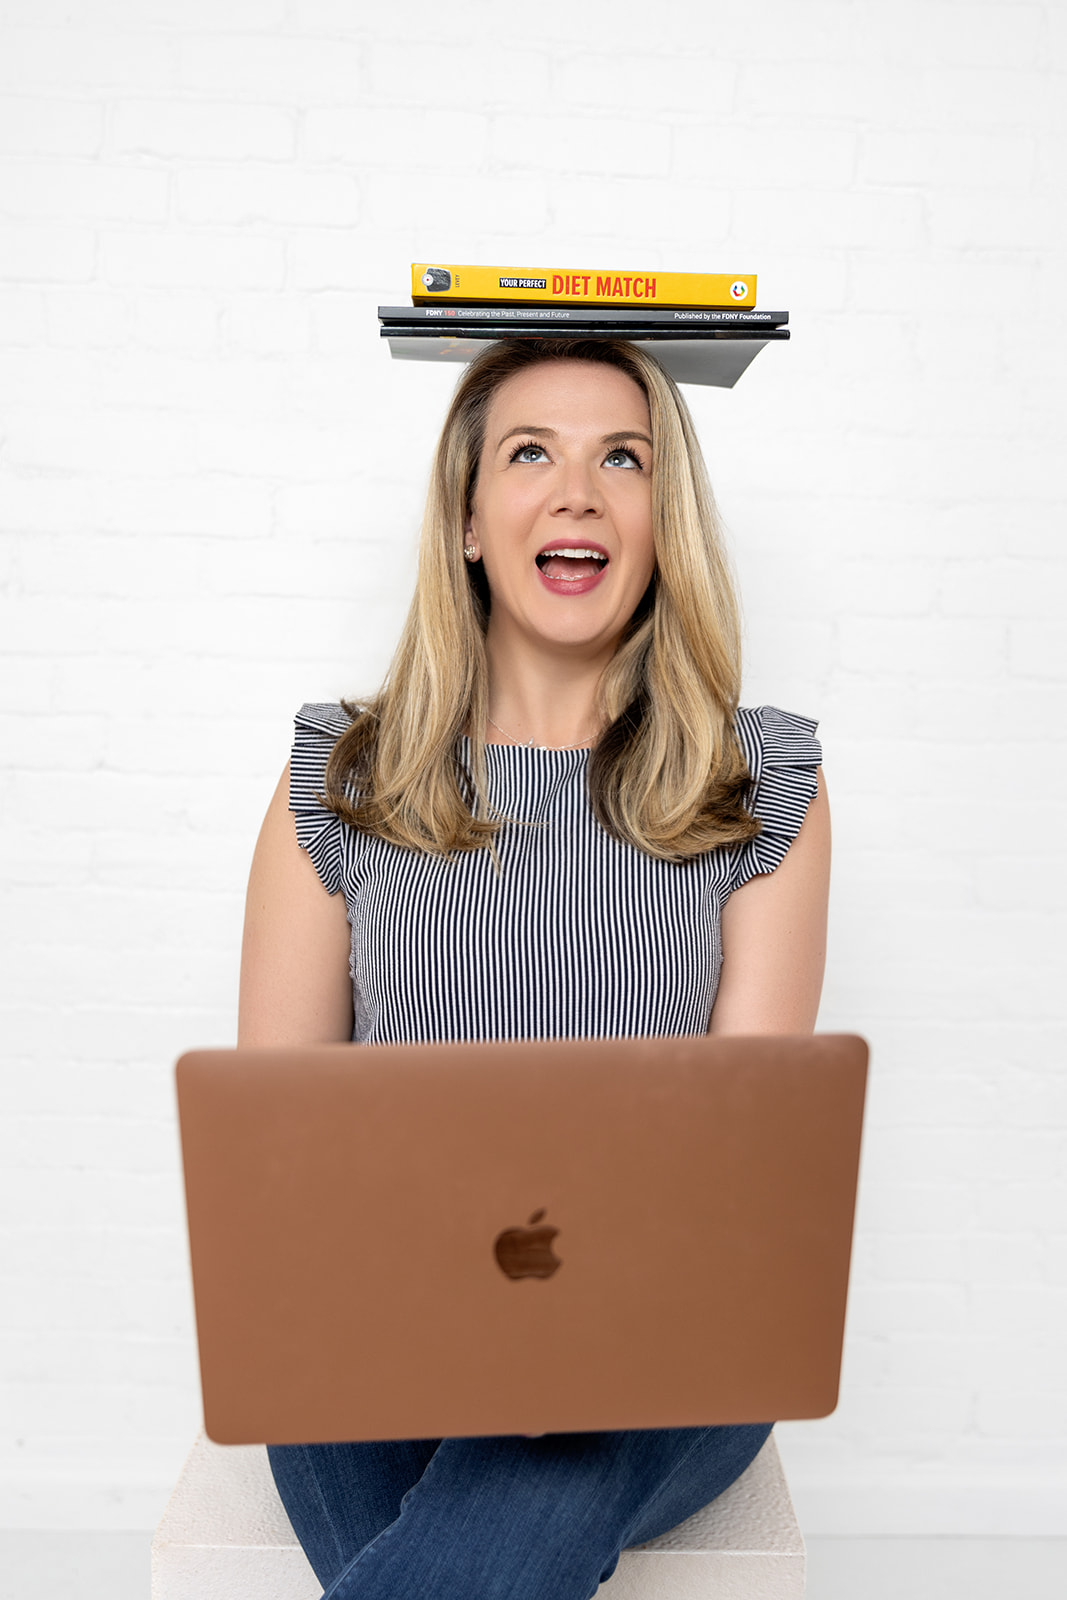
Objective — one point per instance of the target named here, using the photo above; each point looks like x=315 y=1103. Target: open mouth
x=571 y=565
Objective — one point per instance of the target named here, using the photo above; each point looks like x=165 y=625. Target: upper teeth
x=592 y=555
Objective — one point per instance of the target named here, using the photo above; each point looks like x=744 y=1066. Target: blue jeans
x=498 y=1518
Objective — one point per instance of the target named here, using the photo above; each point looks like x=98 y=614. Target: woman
x=552 y=821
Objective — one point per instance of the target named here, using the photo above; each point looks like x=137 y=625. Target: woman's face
x=562 y=516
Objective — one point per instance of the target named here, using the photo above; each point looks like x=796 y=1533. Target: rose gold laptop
x=440 y=1240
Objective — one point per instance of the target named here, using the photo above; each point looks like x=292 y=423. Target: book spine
x=565 y=315
x=431 y=283
x=651 y=333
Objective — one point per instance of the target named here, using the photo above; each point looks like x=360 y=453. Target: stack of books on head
x=704 y=326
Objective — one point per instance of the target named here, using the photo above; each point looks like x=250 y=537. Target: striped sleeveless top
x=578 y=936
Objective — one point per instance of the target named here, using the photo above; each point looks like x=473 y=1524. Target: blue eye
x=528 y=452
x=622 y=458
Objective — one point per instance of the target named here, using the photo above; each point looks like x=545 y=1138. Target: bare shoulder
x=295 y=984
x=774 y=937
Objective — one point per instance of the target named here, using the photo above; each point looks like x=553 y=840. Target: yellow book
x=565 y=286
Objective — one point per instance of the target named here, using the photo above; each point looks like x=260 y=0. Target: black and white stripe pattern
x=578 y=936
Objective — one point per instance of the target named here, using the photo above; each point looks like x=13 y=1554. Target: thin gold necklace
x=528 y=744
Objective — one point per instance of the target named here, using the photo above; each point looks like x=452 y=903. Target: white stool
x=225 y=1536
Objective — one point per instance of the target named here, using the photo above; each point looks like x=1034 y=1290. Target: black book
x=585 y=316
x=712 y=356
x=645 y=332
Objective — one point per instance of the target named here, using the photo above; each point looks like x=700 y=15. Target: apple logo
x=527 y=1252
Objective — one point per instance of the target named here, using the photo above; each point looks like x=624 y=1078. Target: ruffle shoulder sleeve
x=320 y=832
x=783 y=756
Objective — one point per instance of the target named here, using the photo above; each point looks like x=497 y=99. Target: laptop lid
x=464 y=1239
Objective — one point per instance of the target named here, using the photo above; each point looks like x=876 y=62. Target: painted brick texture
x=210 y=486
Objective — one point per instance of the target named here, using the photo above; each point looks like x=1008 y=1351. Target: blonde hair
x=667 y=774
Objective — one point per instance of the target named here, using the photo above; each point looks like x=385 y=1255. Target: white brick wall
x=210 y=480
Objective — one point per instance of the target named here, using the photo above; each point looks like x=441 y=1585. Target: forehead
x=569 y=394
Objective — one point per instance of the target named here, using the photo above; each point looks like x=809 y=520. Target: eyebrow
x=618 y=437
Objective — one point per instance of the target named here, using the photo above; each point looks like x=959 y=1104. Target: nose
x=576 y=492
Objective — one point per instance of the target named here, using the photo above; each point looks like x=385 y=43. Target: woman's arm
x=295 y=984
x=774 y=938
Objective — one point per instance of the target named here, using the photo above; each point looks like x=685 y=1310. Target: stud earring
x=470 y=551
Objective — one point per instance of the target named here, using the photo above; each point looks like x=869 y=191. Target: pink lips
x=573 y=585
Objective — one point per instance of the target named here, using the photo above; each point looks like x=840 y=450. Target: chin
x=587 y=640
